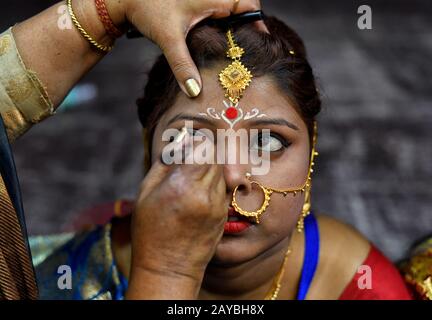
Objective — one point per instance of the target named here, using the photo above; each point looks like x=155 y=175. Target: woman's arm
x=61 y=57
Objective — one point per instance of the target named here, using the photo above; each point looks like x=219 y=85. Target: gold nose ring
x=253 y=214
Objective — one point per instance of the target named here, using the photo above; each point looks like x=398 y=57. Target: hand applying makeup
x=178 y=222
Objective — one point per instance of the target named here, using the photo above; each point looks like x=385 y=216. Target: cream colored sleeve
x=23 y=99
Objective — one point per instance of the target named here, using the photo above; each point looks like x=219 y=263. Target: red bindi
x=231 y=113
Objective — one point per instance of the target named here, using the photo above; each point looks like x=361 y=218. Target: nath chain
x=268 y=191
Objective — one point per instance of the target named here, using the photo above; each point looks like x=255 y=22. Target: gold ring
x=235 y=6
x=254 y=214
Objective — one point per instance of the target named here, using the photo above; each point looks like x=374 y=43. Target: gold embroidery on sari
x=15 y=123
x=4 y=44
x=20 y=89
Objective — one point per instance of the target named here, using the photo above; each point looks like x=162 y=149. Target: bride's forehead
x=262 y=93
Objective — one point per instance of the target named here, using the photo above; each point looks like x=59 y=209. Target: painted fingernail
x=192 y=87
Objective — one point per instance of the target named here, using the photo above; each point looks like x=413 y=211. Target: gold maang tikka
x=268 y=191
x=236 y=77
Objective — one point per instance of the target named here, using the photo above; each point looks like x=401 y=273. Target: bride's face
x=287 y=150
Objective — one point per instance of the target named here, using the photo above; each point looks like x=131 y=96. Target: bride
x=197 y=230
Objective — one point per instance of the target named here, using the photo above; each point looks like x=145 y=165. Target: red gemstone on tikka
x=231 y=113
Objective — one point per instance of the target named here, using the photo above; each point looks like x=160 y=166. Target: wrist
x=99 y=17
x=159 y=284
x=117 y=12
x=88 y=18
x=171 y=265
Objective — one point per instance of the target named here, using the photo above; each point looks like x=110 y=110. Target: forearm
x=61 y=56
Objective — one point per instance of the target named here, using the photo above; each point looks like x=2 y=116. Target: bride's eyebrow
x=190 y=117
x=274 y=121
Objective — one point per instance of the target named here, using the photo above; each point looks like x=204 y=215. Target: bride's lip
x=234 y=227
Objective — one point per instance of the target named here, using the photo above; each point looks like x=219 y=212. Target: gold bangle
x=84 y=33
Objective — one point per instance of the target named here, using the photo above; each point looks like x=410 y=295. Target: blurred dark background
x=374 y=169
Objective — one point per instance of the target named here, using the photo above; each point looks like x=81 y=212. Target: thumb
x=182 y=65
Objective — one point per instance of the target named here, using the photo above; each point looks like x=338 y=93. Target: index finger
x=160 y=170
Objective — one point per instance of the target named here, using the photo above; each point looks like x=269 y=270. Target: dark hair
x=265 y=54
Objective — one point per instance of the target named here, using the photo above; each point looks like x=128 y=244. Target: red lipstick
x=236 y=223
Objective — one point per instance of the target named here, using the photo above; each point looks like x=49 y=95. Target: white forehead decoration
x=232 y=114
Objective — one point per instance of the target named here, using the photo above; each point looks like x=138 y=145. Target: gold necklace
x=274 y=292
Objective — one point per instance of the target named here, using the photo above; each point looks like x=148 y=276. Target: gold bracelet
x=84 y=33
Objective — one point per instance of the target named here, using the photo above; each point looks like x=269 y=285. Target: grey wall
x=374 y=169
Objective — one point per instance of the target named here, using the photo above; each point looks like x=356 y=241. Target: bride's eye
x=201 y=134
x=269 y=142
x=193 y=132
x=190 y=131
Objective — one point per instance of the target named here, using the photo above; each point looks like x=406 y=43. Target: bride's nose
x=237 y=175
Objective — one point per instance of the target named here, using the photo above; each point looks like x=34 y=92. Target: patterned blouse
x=85 y=257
